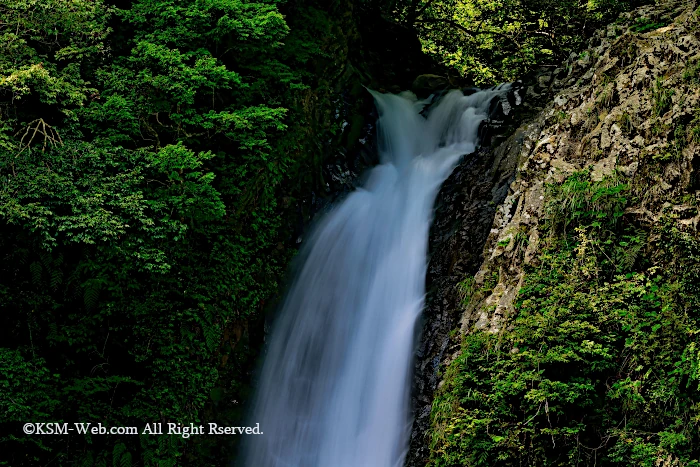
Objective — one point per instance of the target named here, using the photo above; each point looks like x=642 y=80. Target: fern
x=91 y=293
x=35 y=270
x=117 y=453
x=56 y=278
x=211 y=336
x=632 y=246
x=148 y=458
x=53 y=331
x=125 y=460
x=692 y=357
x=46 y=259
x=87 y=460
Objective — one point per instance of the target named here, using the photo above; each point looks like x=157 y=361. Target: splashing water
x=335 y=387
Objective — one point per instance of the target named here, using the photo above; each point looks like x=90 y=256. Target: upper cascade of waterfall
x=335 y=386
x=452 y=120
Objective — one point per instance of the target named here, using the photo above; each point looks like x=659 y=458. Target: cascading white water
x=335 y=387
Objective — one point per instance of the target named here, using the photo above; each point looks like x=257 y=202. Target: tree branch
x=469 y=32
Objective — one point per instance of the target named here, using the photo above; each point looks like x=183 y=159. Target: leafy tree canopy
x=490 y=41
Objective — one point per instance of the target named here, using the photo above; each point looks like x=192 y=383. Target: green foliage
x=46 y=45
x=467 y=288
x=694 y=129
x=580 y=201
x=691 y=74
x=606 y=98
x=144 y=154
x=624 y=121
x=661 y=98
x=492 y=41
x=642 y=25
x=599 y=363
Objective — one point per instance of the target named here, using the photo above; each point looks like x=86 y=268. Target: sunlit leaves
x=499 y=40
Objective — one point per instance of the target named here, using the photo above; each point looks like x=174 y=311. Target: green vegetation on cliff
x=580 y=341
x=601 y=363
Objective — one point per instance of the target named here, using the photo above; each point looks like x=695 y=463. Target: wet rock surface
x=465 y=209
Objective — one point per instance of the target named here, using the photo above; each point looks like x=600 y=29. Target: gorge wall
x=562 y=319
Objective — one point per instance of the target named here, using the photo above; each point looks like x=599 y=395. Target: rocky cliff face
x=626 y=108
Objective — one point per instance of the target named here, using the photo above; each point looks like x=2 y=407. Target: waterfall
x=335 y=387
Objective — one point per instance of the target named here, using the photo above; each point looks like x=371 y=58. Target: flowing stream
x=335 y=387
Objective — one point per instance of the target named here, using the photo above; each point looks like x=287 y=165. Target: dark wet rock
x=424 y=85
x=464 y=212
